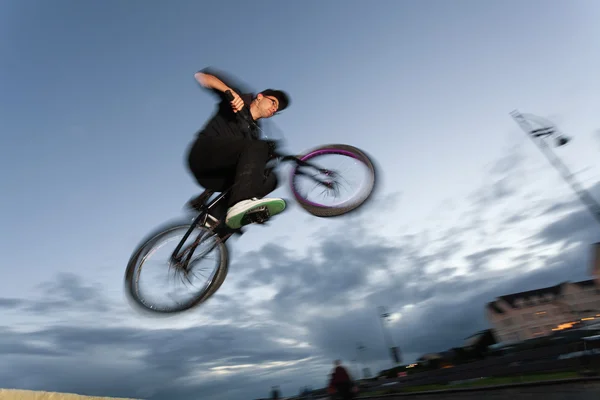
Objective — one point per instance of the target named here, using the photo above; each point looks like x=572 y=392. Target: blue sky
x=98 y=105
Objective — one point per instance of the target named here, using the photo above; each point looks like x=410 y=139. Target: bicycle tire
x=147 y=246
x=333 y=211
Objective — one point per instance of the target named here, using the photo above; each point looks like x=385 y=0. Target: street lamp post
x=357 y=366
x=538 y=136
x=360 y=348
x=383 y=315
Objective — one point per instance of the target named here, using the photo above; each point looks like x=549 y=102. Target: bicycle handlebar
x=244 y=112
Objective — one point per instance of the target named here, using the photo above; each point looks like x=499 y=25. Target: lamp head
x=562 y=140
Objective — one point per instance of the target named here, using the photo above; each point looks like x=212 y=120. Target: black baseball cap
x=281 y=96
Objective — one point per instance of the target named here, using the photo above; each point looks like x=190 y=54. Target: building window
x=536 y=331
x=519 y=303
x=513 y=337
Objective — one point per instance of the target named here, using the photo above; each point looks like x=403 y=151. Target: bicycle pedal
x=259 y=215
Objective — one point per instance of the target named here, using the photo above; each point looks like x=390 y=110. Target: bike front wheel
x=329 y=171
x=154 y=255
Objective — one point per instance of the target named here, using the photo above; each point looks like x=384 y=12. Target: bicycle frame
x=202 y=216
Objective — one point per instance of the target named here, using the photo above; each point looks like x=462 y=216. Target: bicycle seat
x=204 y=196
x=200 y=200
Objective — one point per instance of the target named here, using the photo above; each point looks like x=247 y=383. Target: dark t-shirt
x=340 y=376
x=224 y=121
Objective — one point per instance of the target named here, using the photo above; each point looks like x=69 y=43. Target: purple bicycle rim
x=314 y=153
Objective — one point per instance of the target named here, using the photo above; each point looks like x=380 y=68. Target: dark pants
x=344 y=391
x=219 y=163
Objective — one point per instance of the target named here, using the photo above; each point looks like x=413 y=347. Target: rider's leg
x=219 y=211
x=212 y=162
x=270 y=182
x=244 y=160
x=250 y=172
x=253 y=183
x=212 y=158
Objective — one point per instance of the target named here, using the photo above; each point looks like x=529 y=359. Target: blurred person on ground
x=341 y=385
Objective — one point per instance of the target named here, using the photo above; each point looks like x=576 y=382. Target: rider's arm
x=218 y=82
x=211 y=82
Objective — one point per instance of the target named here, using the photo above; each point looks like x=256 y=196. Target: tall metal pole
x=359 y=349
x=391 y=347
x=357 y=366
x=537 y=135
x=383 y=314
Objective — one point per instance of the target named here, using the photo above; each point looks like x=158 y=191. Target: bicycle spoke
x=344 y=192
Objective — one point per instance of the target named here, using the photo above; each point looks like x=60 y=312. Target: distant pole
x=546 y=131
x=357 y=366
x=359 y=349
x=390 y=346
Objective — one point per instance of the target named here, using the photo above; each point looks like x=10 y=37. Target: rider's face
x=267 y=105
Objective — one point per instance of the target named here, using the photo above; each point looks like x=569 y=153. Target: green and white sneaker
x=253 y=211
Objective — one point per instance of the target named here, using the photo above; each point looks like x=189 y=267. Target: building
x=526 y=315
x=595 y=267
x=480 y=341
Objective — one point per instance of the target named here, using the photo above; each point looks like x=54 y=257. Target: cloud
x=480 y=259
x=508 y=163
x=10 y=303
x=287 y=312
x=67 y=292
x=572 y=229
x=576 y=224
x=132 y=362
x=503 y=179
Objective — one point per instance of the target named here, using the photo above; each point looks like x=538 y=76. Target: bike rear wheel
x=329 y=180
x=208 y=246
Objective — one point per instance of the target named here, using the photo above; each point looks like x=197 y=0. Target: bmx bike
x=205 y=235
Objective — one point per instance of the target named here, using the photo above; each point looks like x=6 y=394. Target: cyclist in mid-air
x=226 y=153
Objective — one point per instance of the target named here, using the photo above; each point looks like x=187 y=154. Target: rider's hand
x=237 y=103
